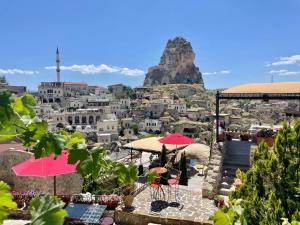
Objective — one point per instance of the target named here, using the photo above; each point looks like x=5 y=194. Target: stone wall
x=65 y=184
x=214 y=172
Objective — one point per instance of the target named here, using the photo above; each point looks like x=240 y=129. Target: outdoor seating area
x=161 y=195
x=190 y=208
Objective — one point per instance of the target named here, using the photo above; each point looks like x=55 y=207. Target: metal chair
x=156 y=191
x=174 y=182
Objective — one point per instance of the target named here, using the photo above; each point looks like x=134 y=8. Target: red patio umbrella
x=176 y=139
x=45 y=167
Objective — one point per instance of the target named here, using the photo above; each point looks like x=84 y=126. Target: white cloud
x=278 y=71
x=289 y=60
x=217 y=72
x=285 y=72
x=17 y=71
x=225 y=72
x=94 y=69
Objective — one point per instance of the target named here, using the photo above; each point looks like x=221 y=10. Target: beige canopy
x=151 y=144
x=195 y=151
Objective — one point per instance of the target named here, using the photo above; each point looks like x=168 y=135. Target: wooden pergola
x=259 y=91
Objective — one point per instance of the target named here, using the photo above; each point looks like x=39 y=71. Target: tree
x=163 y=163
x=163 y=156
x=270 y=189
x=183 y=168
x=135 y=128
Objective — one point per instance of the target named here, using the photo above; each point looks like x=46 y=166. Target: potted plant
x=82 y=198
x=111 y=201
x=228 y=136
x=244 y=136
x=127 y=176
x=267 y=135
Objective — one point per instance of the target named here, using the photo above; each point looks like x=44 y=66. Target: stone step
x=229 y=173
x=227 y=179
x=225 y=185
x=224 y=191
x=237 y=163
x=234 y=167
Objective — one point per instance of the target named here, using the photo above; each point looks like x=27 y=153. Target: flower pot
x=128 y=200
x=244 y=137
x=269 y=140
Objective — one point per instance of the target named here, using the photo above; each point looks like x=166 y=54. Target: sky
x=105 y=42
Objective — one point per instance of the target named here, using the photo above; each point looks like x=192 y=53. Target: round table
x=159 y=170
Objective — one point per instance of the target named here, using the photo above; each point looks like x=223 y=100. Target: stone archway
x=60 y=125
x=70 y=120
x=77 y=120
x=91 y=120
x=83 y=120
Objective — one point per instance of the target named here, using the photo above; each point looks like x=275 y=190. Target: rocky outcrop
x=176 y=65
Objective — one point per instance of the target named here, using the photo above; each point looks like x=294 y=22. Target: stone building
x=155 y=110
x=108 y=129
x=118 y=90
x=150 y=125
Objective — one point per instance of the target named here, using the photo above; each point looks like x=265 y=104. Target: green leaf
x=127 y=174
x=220 y=218
x=7 y=133
x=47 y=211
x=76 y=154
x=76 y=138
x=25 y=105
x=6 y=201
x=49 y=143
x=33 y=133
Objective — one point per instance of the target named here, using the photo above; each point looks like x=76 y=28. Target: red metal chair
x=174 y=182
x=156 y=191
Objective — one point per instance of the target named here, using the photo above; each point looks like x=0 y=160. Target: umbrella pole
x=54 y=185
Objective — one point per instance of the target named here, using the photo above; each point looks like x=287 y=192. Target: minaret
x=57 y=65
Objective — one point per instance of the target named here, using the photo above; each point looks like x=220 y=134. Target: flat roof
x=265 y=88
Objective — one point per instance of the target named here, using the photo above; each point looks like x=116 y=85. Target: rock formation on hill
x=176 y=65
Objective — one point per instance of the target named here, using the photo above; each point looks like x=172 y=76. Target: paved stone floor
x=190 y=205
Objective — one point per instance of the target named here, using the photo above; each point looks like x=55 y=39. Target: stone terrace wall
x=214 y=172
x=65 y=184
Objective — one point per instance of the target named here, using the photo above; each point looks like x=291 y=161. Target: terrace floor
x=190 y=209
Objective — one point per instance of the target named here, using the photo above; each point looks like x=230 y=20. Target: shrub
x=183 y=168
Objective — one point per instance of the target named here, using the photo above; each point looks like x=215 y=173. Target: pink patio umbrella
x=176 y=139
x=45 y=167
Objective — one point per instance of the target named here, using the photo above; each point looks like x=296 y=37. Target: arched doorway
x=83 y=120
x=60 y=125
x=77 y=120
x=70 y=120
x=91 y=120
